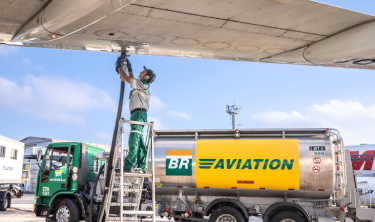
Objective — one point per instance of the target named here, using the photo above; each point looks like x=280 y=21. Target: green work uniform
x=137 y=148
x=139 y=105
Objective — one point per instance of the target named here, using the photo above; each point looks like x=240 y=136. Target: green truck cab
x=64 y=181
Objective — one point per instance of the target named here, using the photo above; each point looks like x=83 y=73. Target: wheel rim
x=288 y=220
x=62 y=214
x=5 y=202
x=226 y=218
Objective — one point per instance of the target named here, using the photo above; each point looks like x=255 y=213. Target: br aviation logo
x=274 y=164
x=179 y=162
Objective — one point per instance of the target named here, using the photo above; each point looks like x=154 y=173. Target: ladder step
x=134 y=175
x=129 y=190
x=118 y=218
x=125 y=204
x=140 y=212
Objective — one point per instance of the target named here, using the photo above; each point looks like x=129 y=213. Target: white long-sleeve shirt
x=141 y=95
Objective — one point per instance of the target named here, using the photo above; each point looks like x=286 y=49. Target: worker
x=138 y=106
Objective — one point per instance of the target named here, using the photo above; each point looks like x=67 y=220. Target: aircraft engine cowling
x=63 y=17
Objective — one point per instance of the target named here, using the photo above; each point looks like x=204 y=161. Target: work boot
x=127 y=171
x=140 y=171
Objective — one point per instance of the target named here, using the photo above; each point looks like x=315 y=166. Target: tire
x=66 y=211
x=226 y=214
x=287 y=216
x=4 y=204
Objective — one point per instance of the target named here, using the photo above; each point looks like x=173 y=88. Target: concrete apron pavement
x=22 y=210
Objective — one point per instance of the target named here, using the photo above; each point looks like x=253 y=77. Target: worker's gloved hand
x=129 y=65
x=118 y=63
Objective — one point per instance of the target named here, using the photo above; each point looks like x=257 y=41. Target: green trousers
x=137 y=149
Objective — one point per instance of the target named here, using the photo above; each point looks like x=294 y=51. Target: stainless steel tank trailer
x=297 y=175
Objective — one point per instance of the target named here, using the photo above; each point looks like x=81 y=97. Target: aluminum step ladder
x=130 y=184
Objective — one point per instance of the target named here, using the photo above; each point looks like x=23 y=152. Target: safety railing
x=358 y=190
x=340 y=163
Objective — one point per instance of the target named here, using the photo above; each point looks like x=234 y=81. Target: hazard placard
x=74 y=176
x=316 y=169
x=317 y=160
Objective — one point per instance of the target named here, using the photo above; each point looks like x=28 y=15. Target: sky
x=73 y=95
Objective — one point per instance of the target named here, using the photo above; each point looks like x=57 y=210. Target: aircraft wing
x=282 y=31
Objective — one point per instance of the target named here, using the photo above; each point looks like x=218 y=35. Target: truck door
x=55 y=171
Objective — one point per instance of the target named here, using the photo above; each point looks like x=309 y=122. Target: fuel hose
x=113 y=148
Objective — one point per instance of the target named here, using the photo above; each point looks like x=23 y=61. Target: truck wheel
x=66 y=211
x=226 y=214
x=4 y=204
x=287 y=216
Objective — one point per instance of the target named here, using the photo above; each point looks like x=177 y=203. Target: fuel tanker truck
x=294 y=175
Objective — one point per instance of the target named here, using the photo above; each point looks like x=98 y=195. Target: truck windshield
x=56 y=158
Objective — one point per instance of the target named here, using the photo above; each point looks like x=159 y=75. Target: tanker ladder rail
x=130 y=183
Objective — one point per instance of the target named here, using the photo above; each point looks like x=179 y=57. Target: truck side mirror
x=39 y=155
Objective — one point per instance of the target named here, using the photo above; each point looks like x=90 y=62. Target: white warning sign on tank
x=317 y=160
x=316 y=169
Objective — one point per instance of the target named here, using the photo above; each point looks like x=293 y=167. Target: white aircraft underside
x=283 y=31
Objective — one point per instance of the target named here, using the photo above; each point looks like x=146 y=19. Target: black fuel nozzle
x=121 y=61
